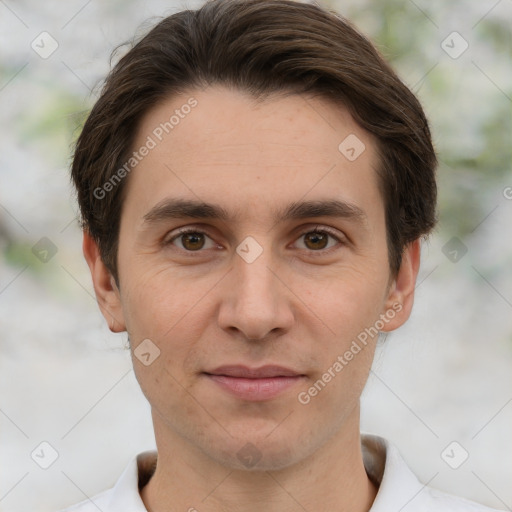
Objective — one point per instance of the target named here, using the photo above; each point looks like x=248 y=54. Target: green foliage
x=19 y=254
x=468 y=101
x=53 y=127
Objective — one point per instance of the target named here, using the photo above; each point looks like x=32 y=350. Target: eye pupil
x=316 y=237
x=193 y=241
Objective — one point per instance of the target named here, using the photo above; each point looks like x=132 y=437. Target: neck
x=333 y=478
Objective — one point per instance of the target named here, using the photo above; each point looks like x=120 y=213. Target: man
x=254 y=184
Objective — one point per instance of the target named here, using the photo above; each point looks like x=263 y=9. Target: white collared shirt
x=398 y=487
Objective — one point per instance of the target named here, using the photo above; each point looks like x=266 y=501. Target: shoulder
x=400 y=489
x=124 y=496
x=441 y=501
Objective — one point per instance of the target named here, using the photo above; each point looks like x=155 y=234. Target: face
x=284 y=263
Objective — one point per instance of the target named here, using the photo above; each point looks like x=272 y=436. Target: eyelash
x=319 y=252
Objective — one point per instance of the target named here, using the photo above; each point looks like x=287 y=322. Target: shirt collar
x=125 y=495
x=397 y=485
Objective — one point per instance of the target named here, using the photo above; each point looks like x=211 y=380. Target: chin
x=259 y=452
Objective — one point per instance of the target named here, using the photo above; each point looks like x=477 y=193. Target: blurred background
x=441 y=386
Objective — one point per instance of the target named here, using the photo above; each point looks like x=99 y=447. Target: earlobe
x=105 y=288
x=400 y=298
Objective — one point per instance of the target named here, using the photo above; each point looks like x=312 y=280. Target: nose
x=256 y=301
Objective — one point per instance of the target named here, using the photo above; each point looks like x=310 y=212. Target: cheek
x=349 y=309
x=172 y=322
x=349 y=303
x=165 y=309
x=345 y=357
x=157 y=302
x=337 y=388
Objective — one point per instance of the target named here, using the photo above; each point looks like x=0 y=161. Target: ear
x=400 y=297
x=105 y=288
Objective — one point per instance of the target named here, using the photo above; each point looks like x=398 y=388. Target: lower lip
x=255 y=389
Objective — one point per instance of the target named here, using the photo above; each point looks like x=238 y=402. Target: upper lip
x=262 y=372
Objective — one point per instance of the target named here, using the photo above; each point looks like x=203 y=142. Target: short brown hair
x=261 y=47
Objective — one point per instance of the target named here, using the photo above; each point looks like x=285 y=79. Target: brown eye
x=320 y=241
x=192 y=241
x=316 y=240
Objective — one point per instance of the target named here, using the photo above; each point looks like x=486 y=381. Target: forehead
x=208 y=119
x=220 y=145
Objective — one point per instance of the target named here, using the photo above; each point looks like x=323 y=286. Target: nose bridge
x=255 y=302
x=252 y=264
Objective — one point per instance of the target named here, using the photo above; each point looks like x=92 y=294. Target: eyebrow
x=185 y=208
